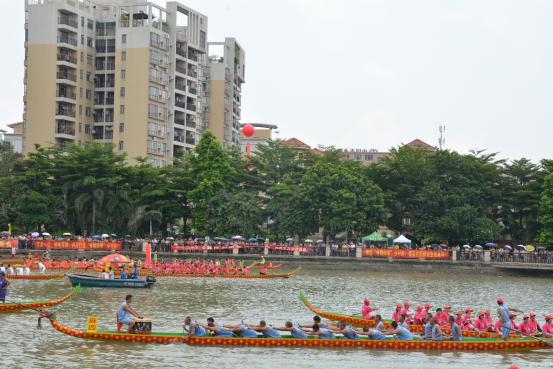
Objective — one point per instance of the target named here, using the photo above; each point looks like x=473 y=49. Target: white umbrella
x=466 y=246
x=402 y=239
x=66 y=234
x=46 y=234
x=237 y=237
x=478 y=247
x=308 y=241
x=105 y=235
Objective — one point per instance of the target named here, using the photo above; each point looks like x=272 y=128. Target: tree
x=546 y=212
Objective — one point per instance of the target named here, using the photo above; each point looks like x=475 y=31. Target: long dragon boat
x=228 y=276
x=256 y=266
x=34 y=305
x=469 y=344
x=36 y=276
x=360 y=322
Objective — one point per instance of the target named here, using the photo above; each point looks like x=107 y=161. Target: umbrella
x=35 y=234
x=530 y=248
x=507 y=247
x=320 y=241
x=253 y=240
x=113 y=235
x=5 y=233
x=466 y=246
x=113 y=258
x=260 y=240
x=46 y=234
x=169 y=238
x=521 y=247
x=127 y=236
x=96 y=237
x=238 y=238
x=478 y=247
x=220 y=239
x=541 y=248
x=491 y=244
x=308 y=241
x=66 y=234
x=289 y=239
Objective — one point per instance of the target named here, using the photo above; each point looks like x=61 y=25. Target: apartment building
x=121 y=72
x=223 y=92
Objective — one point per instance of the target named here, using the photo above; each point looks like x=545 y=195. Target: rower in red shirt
x=367 y=309
x=444 y=319
x=425 y=312
x=525 y=327
x=408 y=314
x=396 y=313
x=480 y=323
x=459 y=318
x=547 y=328
x=467 y=319
x=489 y=321
x=418 y=317
x=536 y=329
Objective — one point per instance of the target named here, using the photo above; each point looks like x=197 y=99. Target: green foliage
x=546 y=212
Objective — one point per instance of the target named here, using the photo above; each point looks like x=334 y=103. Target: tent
x=402 y=239
x=375 y=237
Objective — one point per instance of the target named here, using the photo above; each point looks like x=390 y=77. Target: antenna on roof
x=441 y=140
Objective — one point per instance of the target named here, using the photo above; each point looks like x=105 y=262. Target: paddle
x=536 y=338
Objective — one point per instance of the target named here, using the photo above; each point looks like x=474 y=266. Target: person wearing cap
x=418 y=316
x=458 y=318
x=443 y=319
x=467 y=318
x=4 y=284
x=408 y=313
x=489 y=321
x=547 y=329
x=525 y=326
x=503 y=312
x=367 y=309
x=480 y=323
x=536 y=329
x=425 y=313
x=396 y=314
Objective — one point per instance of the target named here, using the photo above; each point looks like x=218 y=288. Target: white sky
x=373 y=74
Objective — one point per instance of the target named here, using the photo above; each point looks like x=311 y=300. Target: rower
x=41 y=267
x=536 y=329
x=456 y=331
x=127 y=315
x=4 y=284
x=547 y=329
x=379 y=326
x=267 y=330
x=419 y=316
x=347 y=331
x=193 y=329
x=489 y=321
x=217 y=329
x=320 y=332
x=396 y=313
x=317 y=320
x=525 y=326
x=242 y=331
x=263 y=270
x=437 y=334
x=402 y=322
x=399 y=332
x=428 y=327
x=367 y=309
x=459 y=318
x=372 y=334
x=480 y=323
x=294 y=329
x=503 y=312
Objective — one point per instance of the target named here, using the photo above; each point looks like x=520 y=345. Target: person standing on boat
x=503 y=312
x=41 y=267
x=367 y=309
x=127 y=315
x=547 y=329
x=456 y=331
x=399 y=332
x=294 y=329
x=4 y=284
x=193 y=329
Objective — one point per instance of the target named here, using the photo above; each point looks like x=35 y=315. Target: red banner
x=8 y=244
x=218 y=248
x=76 y=245
x=405 y=254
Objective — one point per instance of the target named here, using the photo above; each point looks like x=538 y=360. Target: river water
x=275 y=300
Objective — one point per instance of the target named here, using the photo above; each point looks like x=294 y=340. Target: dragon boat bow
x=33 y=305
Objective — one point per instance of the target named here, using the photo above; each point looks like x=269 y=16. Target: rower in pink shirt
x=547 y=328
x=396 y=313
x=425 y=312
x=525 y=327
x=489 y=321
x=418 y=317
x=444 y=318
x=459 y=318
x=467 y=319
x=367 y=309
x=480 y=323
x=408 y=313
x=534 y=324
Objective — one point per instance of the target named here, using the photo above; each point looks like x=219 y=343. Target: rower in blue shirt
x=401 y=333
x=456 y=331
x=347 y=331
x=193 y=329
x=373 y=334
x=322 y=333
x=217 y=329
x=437 y=334
x=294 y=329
x=267 y=330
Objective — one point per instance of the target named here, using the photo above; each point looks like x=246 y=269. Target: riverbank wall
x=321 y=262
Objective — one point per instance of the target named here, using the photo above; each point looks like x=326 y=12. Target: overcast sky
x=374 y=74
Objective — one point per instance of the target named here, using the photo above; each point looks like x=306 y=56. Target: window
x=89 y=59
x=89 y=24
x=89 y=42
x=123 y=38
x=368 y=157
x=121 y=127
x=122 y=91
x=82 y=22
x=89 y=94
x=82 y=57
x=80 y=92
x=80 y=127
x=123 y=55
x=123 y=73
x=81 y=73
x=121 y=145
x=88 y=76
x=82 y=39
x=88 y=112
x=80 y=110
x=122 y=109
x=202 y=39
x=87 y=128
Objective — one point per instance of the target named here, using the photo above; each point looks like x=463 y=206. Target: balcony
x=68 y=21
x=192 y=73
x=190 y=140
x=190 y=123
x=180 y=86
x=67 y=75
x=66 y=39
x=180 y=69
x=178 y=138
x=180 y=104
x=191 y=107
x=65 y=130
x=193 y=90
x=65 y=112
x=181 y=52
x=66 y=94
x=67 y=58
x=179 y=121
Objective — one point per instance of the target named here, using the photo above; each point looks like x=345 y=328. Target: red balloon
x=247 y=130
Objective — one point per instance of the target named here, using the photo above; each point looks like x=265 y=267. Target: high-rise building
x=123 y=72
x=226 y=70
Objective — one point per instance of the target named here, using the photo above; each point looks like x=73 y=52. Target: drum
x=143 y=326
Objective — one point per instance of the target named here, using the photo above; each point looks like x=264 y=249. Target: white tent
x=402 y=239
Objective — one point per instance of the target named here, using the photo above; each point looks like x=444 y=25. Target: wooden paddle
x=536 y=338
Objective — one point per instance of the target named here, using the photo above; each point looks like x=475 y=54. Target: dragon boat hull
x=11 y=307
x=36 y=276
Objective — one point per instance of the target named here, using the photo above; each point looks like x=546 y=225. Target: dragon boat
x=469 y=344
x=36 y=276
x=228 y=276
x=356 y=321
x=256 y=266
x=34 y=305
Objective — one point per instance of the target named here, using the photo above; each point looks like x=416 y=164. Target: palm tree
x=140 y=215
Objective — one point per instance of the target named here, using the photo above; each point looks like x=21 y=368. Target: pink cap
x=398 y=305
x=406 y=303
x=419 y=308
x=427 y=306
x=459 y=312
x=480 y=313
x=525 y=317
x=447 y=307
x=366 y=301
x=488 y=311
x=532 y=313
x=549 y=317
x=500 y=301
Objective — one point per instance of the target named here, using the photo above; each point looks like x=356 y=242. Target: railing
x=66 y=112
x=67 y=75
x=181 y=52
x=190 y=141
x=470 y=255
x=178 y=138
x=180 y=69
x=192 y=73
x=180 y=104
x=68 y=21
x=67 y=58
x=109 y=101
x=180 y=86
x=191 y=107
x=67 y=40
x=66 y=94
x=191 y=124
x=65 y=130
x=179 y=121
x=193 y=90
x=540 y=257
